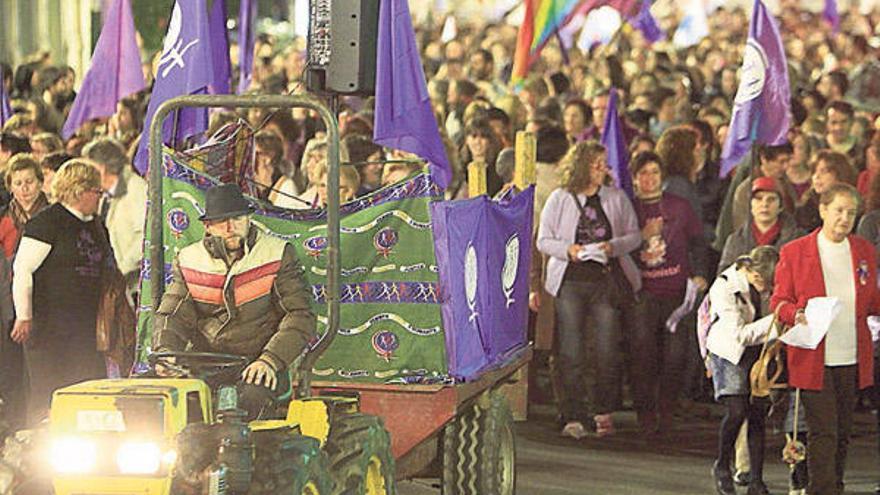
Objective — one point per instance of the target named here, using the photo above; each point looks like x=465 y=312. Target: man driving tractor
x=239 y=291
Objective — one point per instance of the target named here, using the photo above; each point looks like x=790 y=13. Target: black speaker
x=342 y=46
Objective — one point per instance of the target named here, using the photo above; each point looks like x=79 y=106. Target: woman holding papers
x=734 y=344
x=588 y=230
x=830 y=262
x=673 y=253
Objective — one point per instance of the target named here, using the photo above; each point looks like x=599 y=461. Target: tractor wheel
x=20 y=465
x=288 y=464
x=359 y=449
x=478 y=452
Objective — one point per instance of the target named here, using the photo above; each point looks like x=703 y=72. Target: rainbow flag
x=542 y=19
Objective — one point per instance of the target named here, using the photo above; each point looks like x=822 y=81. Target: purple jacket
x=557 y=232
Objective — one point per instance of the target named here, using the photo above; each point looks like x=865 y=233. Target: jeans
x=585 y=313
x=657 y=357
x=829 y=418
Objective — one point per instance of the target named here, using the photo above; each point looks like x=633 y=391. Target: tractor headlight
x=73 y=455
x=139 y=458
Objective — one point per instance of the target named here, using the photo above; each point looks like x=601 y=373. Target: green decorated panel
x=391 y=329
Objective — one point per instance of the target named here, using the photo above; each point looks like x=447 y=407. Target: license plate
x=100 y=421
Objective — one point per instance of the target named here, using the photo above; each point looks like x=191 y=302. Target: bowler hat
x=225 y=201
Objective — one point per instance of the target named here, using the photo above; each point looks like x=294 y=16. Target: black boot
x=723 y=479
x=758 y=488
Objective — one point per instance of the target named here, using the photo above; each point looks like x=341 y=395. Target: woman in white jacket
x=738 y=330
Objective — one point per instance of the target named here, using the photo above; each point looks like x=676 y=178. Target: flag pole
x=174 y=128
x=562 y=46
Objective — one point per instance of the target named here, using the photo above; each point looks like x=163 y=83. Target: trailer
x=459 y=431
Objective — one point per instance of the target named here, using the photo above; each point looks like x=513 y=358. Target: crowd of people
x=610 y=272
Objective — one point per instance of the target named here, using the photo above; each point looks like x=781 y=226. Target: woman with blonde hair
x=57 y=284
x=588 y=230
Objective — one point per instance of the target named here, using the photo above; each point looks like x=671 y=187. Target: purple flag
x=830 y=14
x=5 y=107
x=483 y=268
x=761 y=109
x=114 y=73
x=182 y=70
x=404 y=119
x=645 y=22
x=247 y=16
x=219 y=50
x=106 y=5
x=616 y=146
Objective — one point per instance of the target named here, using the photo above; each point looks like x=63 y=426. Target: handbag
x=768 y=372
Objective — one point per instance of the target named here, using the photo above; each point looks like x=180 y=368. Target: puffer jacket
x=257 y=307
x=733 y=313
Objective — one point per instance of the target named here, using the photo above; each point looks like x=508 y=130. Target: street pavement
x=627 y=464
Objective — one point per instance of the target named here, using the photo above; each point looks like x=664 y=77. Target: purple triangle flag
x=831 y=16
x=219 y=50
x=114 y=73
x=645 y=22
x=761 y=108
x=184 y=69
x=247 y=16
x=616 y=147
x=5 y=106
x=404 y=118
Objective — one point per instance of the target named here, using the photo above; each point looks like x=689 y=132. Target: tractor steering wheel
x=201 y=365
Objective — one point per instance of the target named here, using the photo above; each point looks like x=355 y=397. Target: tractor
x=185 y=435
x=182 y=433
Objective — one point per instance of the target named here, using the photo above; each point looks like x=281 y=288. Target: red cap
x=765 y=184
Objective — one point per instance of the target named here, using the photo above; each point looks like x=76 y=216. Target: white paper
x=592 y=252
x=874 y=327
x=690 y=299
x=820 y=312
x=800 y=336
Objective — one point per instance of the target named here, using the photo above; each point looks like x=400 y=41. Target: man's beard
x=234 y=244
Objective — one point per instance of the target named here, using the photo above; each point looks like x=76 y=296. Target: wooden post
x=476 y=178
x=517 y=391
x=526 y=156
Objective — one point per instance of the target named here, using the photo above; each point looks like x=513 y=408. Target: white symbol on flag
x=470 y=280
x=511 y=265
x=172 y=53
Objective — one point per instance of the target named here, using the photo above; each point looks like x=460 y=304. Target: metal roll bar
x=157 y=258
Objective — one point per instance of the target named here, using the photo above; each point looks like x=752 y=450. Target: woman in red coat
x=828 y=376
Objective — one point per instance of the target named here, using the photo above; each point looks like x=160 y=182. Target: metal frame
x=157 y=258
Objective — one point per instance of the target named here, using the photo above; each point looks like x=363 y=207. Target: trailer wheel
x=289 y=464
x=359 y=449
x=478 y=451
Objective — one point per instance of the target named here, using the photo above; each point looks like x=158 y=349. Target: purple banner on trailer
x=483 y=250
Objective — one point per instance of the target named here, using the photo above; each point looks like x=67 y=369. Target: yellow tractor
x=186 y=436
